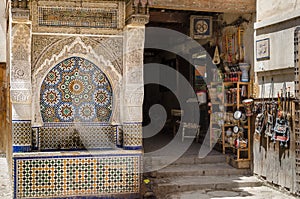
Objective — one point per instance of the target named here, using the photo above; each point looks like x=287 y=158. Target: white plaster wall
x=280 y=66
x=281 y=51
x=2 y=31
x=274 y=11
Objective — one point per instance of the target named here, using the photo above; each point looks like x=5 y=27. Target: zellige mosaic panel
x=80 y=176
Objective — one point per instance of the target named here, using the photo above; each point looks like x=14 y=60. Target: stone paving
x=263 y=192
x=5 y=185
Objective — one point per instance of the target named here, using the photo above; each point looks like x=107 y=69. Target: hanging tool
x=284 y=99
x=216 y=59
x=288 y=116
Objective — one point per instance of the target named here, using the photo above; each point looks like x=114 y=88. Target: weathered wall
x=2 y=31
x=280 y=65
x=274 y=163
x=277 y=21
x=274 y=11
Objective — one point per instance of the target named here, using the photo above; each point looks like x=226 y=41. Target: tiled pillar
x=133 y=90
x=20 y=80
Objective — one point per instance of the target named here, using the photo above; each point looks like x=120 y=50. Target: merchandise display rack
x=226 y=100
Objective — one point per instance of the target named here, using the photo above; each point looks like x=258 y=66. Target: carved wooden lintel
x=137 y=19
x=20 y=14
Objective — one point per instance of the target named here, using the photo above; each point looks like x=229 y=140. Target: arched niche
x=76 y=48
x=76 y=90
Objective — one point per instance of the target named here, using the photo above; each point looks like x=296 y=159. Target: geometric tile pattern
x=119 y=136
x=21 y=133
x=76 y=90
x=132 y=135
x=76 y=176
x=81 y=136
x=35 y=138
x=78 y=17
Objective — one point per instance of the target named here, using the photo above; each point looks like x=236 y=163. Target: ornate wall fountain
x=76 y=72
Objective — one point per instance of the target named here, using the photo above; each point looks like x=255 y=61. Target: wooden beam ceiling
x=168 y=17
x=226 y=6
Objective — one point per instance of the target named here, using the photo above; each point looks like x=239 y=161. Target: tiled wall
x=132 y=136
x=80 y=136
x=81 y=176
x=21 y=135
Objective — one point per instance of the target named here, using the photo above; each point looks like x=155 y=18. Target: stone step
x=193 y=159
x=163 y=161
x=165 y=186
x=218 y=169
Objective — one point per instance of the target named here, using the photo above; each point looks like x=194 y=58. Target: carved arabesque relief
x=74 y=17
x=111 y=48
x=20 y=74
x=21 y=50
x=133 y=74
x=134 y=55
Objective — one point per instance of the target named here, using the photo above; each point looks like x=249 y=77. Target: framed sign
x=200 y=27
x=263 y=49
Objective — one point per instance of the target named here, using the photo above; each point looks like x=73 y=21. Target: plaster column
x=133 y=82
x=20 y=80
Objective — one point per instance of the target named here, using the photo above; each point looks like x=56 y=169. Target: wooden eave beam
x=168 y=17
x=225 y=6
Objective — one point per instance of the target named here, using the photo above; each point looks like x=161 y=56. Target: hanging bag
x=269 y=114
x=282 y=126
x=260 y=118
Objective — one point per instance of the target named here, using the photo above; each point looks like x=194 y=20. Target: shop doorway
x=166 y=126
x=156 y=94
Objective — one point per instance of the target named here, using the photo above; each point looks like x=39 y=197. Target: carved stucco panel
x=114 y=49
x=75 y=48
x=133 y=103
x=20 y=71
x=110 y=48
x=20 y=53
x=81 y=22
x=133 y=114
x=21 y=111
x=135 y=38
x=50 y=50
x=134 y=99
x=133 y=71
x=133 y=74
x=40 y=44
x=20 y=96
x=20 y=86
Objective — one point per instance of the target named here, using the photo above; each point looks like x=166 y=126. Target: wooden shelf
x=230 y=104
x=216 y=103
x=229 y=125
x=229 y=83
x=216 y=83
x=243 y=83
x=242 y=149
x=237 y=157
